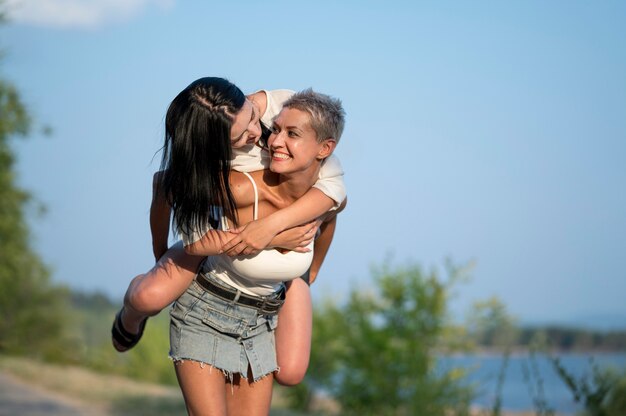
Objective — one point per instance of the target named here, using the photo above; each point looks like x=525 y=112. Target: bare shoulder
x=242 y=189
x=268 y=185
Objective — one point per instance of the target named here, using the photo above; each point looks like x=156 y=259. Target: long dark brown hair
x=197 y=152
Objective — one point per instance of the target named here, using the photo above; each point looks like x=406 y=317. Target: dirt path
x=20 y=398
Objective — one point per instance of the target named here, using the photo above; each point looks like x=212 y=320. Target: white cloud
x=78 y=13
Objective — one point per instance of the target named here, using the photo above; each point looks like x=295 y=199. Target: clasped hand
x=258 y=235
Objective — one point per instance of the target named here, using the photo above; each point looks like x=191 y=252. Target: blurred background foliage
x=32 y=309
x=377 y=353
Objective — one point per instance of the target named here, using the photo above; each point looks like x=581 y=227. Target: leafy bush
x=376 y=355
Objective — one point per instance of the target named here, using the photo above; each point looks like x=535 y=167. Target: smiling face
x=246 y=128
x=293 y=144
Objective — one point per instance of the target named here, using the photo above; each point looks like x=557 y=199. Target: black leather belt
x=266 y=305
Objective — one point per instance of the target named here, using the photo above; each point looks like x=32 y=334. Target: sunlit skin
x=294 y=145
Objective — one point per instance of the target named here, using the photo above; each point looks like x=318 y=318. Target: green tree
x=31 y=309
x=377 y=354
x=490 y=325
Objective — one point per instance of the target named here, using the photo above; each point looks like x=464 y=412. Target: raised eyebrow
x=296 y=128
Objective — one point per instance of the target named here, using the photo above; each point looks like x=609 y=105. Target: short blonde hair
x=327 y=113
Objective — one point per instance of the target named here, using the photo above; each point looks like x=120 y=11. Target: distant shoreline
x=521 y=352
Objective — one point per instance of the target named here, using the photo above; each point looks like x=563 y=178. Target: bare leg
x=208 y=392
x=293 y=334
x=149 y=293
x=250 y=399
x=204 y=388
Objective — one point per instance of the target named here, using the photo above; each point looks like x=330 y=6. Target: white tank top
x=260 y=274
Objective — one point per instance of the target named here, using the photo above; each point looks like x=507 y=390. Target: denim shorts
x=226 y=335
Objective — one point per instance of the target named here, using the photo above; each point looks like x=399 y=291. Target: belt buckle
x=270 y=306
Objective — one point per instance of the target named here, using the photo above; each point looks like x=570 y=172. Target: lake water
x=515 y=391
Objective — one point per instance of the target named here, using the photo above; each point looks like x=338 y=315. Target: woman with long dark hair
x=222 y=328
x=206 y=124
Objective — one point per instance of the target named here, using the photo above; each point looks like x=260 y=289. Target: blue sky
x=492 y=132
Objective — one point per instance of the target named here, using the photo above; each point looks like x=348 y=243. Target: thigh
x=204 y=388
x=166 y=281
x=293 y=333
x=176 y=263
x=250 y=398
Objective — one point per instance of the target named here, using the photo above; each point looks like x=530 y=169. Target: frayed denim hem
x=228 y=375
